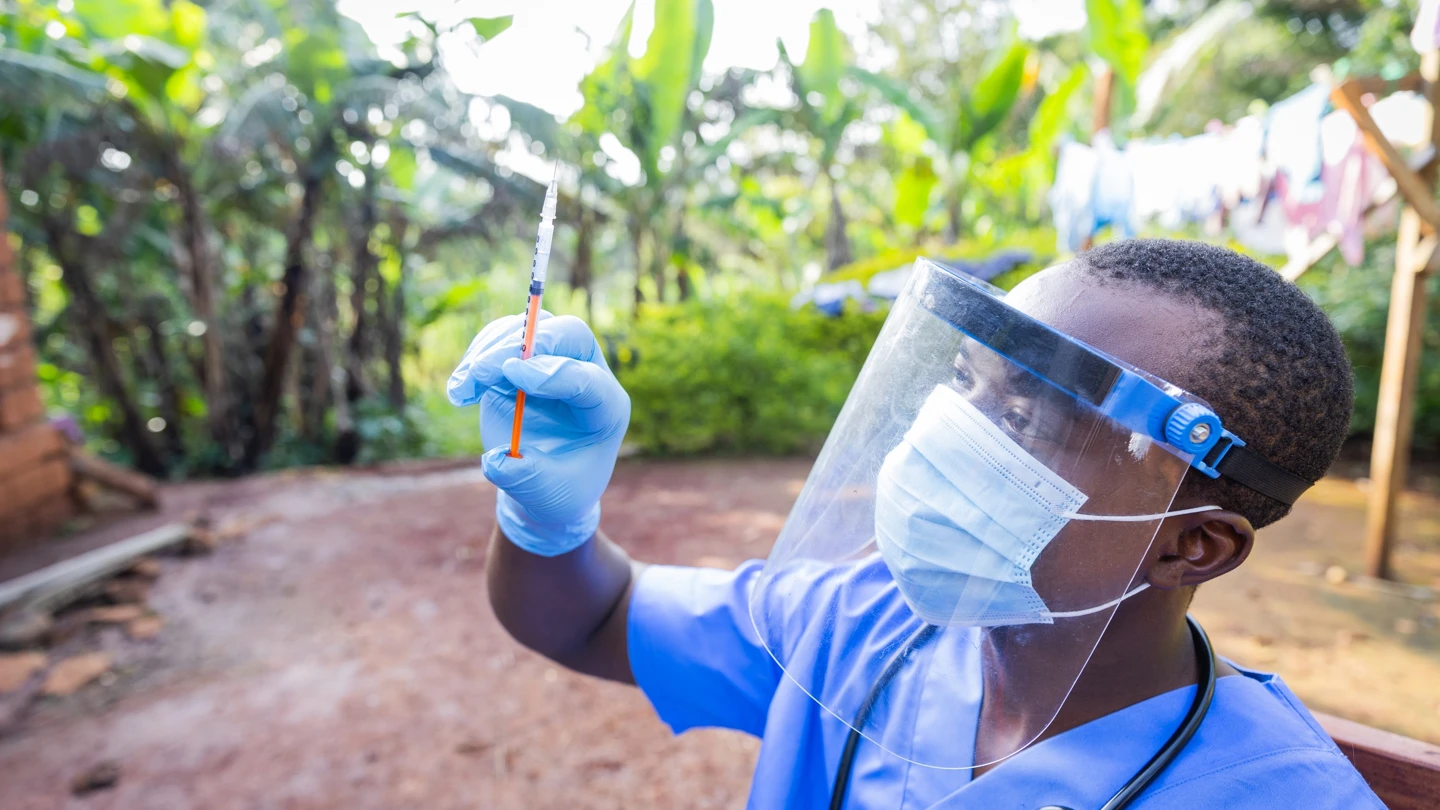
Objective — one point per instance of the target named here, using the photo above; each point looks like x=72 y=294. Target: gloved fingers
x=505 y=472
x=579 y=384
x=480 y=368
x=568 y=336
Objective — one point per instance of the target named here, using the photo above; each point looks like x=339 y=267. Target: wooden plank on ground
x=1405 y=773
x=112 y=476
x=49 y=587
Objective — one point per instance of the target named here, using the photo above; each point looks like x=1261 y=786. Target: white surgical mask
x=962 y=512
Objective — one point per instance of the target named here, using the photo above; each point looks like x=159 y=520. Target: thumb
x=504 y=471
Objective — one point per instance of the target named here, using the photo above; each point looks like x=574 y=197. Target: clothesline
x=1279 y=180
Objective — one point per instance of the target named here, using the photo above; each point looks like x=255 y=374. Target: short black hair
x=1276 y=373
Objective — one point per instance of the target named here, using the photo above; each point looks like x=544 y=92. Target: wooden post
x=1104 y=91
x=1414 y=263
x=1100 y=120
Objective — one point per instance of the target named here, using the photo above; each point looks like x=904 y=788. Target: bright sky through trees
x=553 y=43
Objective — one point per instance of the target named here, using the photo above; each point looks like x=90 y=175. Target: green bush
x=745 y=374
x=1357 y=299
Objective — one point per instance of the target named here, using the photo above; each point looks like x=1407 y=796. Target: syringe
x=537 y=289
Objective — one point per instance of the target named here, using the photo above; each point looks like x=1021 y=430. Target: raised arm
x=556 y=584
x=571 y=608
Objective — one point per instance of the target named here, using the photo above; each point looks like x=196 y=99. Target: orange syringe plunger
x=537 y=290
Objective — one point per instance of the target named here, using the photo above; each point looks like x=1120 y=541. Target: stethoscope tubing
x=1194 y=716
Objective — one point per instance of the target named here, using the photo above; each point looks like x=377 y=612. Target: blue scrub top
x=696 y=656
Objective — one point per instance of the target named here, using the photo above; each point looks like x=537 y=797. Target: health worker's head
x=1229 y=330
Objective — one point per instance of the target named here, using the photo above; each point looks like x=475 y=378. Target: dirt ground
x=341 y=653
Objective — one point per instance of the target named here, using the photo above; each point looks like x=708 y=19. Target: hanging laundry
x=1349 y=178
x=1425 y=36
x=1154 y=184
x=1241 y=171
x=1072 y=197
x=1196 y=174
x=1403 y=118
x=1292 y=143
x=1260 y=227
x=1113 y=186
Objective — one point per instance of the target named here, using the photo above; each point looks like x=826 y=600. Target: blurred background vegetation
x=253 y=238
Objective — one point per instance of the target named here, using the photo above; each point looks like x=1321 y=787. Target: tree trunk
x=637 y=234
x=90 y=321
x=955 y=224
x=288 y=313
x=158 y=366
x=837 y=241
x=680 y=257
x=395 y=342
x=658 y=260
x=314 y=384
x=195 y=227
x=582 y=276
x=365 y=264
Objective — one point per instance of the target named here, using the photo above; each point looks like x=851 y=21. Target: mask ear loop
x=1070 y=614
x=1137 y=518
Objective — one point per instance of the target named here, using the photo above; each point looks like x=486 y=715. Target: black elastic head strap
x=1250 y=469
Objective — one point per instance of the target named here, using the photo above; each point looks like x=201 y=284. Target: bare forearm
x=570 y=608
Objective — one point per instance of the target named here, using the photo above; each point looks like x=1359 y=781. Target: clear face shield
x=984 y=503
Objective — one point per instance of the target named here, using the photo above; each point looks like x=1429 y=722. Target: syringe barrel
x=542 y=252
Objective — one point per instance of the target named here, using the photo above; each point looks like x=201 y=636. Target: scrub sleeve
x=694 y=651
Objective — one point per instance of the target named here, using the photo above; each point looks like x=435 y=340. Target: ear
x=1204 y=546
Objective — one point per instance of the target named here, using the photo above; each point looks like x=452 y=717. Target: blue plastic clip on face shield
x=1130 y=397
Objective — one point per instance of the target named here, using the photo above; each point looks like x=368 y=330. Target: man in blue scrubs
x=983 y=589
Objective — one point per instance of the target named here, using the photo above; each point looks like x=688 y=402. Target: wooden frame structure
x=1416 y=260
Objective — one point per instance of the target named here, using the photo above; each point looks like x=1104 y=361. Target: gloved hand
x=575 y=417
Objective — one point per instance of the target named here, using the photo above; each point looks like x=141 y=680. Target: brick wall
x=34 y=474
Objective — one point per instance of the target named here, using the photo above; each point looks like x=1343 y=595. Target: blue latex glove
x=575 y=417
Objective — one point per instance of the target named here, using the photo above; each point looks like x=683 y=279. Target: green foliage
x=1040 y=242
x=958 y=121
x=912 y=191
x=1116 y=30
x=681 y=37
x=132 y=131
x=1357 y=299
x=993 y=96
x=827 y=56
x=744 y=374
x=491 y=27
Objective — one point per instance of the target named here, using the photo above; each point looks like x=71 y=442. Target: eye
x=1015 y=421
x=963 y=381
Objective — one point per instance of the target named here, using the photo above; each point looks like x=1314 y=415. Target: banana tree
x=340 y=105
x=1115 y=33
x=641 y=103
x=955 y=124
x=826 y=109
